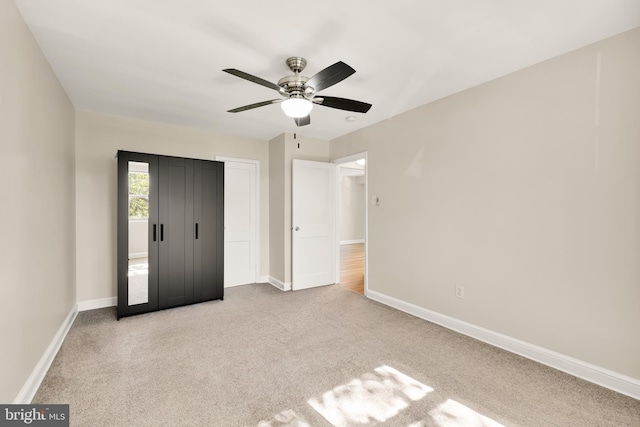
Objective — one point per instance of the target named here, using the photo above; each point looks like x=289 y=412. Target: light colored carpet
x=317 y=357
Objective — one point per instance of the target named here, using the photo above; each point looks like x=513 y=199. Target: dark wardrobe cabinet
x=179 y=214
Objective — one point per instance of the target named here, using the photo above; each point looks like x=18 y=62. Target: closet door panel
x=175 y=279
x=209 y=220
x=154 y=242
x=137 y=275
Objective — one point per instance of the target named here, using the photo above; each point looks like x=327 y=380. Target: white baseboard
x=29 y=389
x=97 y=303
x=595 y=374
x=233 y=286
x=280 y=285
x=351 y=242
x=261 y=279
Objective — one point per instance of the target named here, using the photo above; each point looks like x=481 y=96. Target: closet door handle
x=154 y=232
x=196 y=231
x=162 y=232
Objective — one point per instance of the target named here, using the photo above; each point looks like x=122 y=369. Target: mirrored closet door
x=138 y=250
x=138 y=233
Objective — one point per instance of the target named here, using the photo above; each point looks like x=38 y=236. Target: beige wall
x=98 y=137
x=283 y=150
x=37 y=249
x=526 y=191
x=352 y=208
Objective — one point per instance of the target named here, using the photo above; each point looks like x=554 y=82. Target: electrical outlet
x=460 y=291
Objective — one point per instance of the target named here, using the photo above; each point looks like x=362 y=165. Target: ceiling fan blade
x=303 y=121
x=256 y=105
x=343 y=104
x=329 y=76
x=253 y=78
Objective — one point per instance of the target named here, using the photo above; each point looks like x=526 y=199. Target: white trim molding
x=97 y=303
x=595 y=374
x=264 y=279
x=236 y=285
x=29 y=389
x=279 y=284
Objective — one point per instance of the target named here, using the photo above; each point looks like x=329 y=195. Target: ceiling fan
x=299 y=92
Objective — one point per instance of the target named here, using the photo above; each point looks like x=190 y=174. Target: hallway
x=352 y=267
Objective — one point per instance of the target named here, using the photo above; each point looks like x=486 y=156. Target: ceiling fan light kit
x=299 y=92
x=295 y=107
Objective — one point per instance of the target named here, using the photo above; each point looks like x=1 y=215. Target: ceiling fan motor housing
x=294 y=84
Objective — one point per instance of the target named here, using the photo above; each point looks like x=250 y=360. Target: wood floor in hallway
x=352 y=267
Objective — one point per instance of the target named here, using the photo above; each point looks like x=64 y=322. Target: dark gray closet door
x=209 y=230
x=175 y=278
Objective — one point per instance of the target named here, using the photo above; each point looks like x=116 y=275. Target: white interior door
x=313 y=224
x=240 y=218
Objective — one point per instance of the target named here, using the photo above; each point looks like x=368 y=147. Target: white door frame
x=257 y=225
x=339 y=161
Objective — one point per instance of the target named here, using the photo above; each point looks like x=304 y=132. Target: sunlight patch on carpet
x=374 y=397
x=454 y=414
x=287 y=418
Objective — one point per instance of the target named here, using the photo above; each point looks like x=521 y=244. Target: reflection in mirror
x=138 y=274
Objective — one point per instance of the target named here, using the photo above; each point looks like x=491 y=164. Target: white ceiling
x=161 y=60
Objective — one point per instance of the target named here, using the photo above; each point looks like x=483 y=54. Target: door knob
x=297 y=228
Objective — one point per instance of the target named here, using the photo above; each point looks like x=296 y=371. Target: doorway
x=352 y=222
